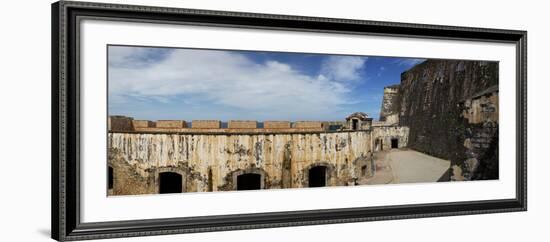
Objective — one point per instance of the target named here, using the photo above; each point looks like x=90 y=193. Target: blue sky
x=190 y=84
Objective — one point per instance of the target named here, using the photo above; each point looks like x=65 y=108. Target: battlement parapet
x=242 y=124
x=171 y=124
x=144 y=124
x=128 y=124
x=206 y=124
x=277 y=125
x=308 y=125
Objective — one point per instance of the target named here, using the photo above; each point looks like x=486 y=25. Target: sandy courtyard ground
x=406 y=166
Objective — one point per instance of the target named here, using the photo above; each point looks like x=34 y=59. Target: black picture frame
x=66 y=223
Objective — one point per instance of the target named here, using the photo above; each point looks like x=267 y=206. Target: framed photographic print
x=170 y=120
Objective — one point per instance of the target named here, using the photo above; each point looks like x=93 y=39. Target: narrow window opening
x=363 y=170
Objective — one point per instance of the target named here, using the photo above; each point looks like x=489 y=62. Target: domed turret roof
x=358 y=115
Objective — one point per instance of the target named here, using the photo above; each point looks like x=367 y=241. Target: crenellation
x=242 y=124
x=206 y=124
x=144 y=124
x=276 y=124
x=171 y=124
x=120 y=123
x=308 y=125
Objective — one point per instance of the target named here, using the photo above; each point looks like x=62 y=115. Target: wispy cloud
x=380 y=70
x=222 y=79
x=343 y=68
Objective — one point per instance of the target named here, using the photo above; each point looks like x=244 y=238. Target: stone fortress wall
x=211 y=158
x=451 y=109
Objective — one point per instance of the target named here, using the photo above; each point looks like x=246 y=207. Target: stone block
x=120 y=123
x=277 y=125
x=242 y=124
x=171 y=124
x=143 y=124
x=308 y=125
x=205 y=124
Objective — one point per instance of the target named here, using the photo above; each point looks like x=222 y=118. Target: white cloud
x=232 y=80
x=343 y=68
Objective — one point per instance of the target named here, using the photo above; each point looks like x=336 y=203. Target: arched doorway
x=354 y=124
x=317 y=176
x=394 y=143
x=170 y=182
x=249 y=181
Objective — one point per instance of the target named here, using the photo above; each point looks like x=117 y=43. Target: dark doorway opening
x=170 y=182
x=110 y=178
x=394 y=143
x=364 y=170
x=249 y=181
x=354 y=124
x=318 y=176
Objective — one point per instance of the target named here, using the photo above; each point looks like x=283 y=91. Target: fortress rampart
x=207 y=157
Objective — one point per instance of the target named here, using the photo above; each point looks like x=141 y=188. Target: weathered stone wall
x=482 y=107
x=128 y=178
x=431 y=98
x=481 y=138
x=383 y=135
x=209 y=162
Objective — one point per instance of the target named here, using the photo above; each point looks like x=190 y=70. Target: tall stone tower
x=389 y=112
